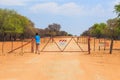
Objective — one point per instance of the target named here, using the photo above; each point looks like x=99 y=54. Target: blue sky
x=74 y=16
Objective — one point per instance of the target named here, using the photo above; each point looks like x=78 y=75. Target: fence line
x=22 y=44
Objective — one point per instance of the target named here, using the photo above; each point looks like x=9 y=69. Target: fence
x=101 y=44
x=15 y=46
x=64 y=44
x=48 y=44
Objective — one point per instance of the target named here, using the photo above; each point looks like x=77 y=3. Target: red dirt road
x=99 y=65
x=60 y=66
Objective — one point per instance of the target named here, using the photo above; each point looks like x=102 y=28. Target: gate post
x=3 y=45
x=88 y=44
x=94 y=43
x=32 y=45
x=111 y=46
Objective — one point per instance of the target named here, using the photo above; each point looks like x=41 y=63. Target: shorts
x=37 y=43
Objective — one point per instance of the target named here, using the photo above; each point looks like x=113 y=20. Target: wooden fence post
x=94 y=44
x=89 y=45
x=111 y=46
x=32 y=46
x=3 y=46
x=104 y=44
x=99 y=43
x=3 y=40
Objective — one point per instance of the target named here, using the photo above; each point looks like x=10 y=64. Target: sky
x=74 y=16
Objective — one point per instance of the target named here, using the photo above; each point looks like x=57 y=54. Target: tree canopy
x=53 y=30
x=13 y=23
x=108 y=29
x=117 y=9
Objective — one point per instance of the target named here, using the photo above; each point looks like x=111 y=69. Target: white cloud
x=54 y=8
x=97 y=10
x=13 y=2
x=116 y=2
x=71 y=9
x=45 y=7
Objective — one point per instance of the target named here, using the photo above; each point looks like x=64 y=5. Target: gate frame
x=63 y=50
x=60 y=50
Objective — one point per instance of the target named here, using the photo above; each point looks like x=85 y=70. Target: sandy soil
x=99 y=65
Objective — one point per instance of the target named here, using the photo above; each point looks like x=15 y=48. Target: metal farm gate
x=49 y=44
x=65 y=44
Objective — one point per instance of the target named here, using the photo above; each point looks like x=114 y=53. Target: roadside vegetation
x=109 y=29
x=14 y=26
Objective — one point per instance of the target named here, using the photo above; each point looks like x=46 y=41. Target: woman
x=37 y=40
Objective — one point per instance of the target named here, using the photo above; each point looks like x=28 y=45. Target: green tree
x=12 y=23
x=97 y=30
x=117 y=9
x=54 y=27
x=113 y=27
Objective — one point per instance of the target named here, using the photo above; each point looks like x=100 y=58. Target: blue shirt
x=37 y=39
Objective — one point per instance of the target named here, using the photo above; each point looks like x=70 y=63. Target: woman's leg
x=37 y=48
